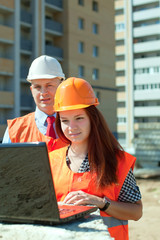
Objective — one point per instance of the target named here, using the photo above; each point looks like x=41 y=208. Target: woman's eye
x=79 y=118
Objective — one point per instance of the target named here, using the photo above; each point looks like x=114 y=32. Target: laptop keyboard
x=65 y=211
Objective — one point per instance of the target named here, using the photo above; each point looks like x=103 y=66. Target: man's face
x=43 y=91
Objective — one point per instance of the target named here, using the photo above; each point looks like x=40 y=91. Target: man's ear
x=31 y=88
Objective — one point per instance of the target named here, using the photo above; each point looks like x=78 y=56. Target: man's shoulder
x=22 y=117
x=21 y=120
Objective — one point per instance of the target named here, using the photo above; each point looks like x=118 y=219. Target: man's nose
x=44 y=90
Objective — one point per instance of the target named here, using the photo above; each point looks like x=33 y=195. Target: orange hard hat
x=74 y=93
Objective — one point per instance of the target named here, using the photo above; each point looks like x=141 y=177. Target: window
x=119 y=27
x=120 y=73
x=121 y=136
x=81 y=2
x=121 y=104
x=81 y=23
x=120 y=58
x=95 y=6
x=49 y=42
x=121 y=119
x=95 y=74
x=95 y=51
x=81 y=47
x=119 y=12
x=81 y=71
x=149 y=70
x=147 y=86
x=95 y=28
x=120 y=43
x=97 y=94
x=156 y=69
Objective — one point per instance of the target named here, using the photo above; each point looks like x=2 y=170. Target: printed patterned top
x=129 y=192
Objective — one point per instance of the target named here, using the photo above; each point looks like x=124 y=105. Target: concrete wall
x=105 y=42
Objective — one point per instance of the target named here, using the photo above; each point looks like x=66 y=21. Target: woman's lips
x=74 y=134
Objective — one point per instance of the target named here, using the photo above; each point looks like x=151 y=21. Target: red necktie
x=50 y=130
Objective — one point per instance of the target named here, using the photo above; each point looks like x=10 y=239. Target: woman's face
x=75 y=125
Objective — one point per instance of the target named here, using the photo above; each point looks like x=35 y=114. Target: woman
x=93 y=168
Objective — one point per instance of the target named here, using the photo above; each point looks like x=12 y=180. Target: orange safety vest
x=24 y=129
x=66 y=181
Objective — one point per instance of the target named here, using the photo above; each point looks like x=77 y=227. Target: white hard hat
x=45 y=67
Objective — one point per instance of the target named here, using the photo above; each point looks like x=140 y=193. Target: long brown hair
x=103 y=148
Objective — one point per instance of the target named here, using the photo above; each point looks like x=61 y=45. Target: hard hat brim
x=46 y=76
x=73 y=107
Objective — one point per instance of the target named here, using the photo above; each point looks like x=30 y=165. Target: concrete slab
x=90 y=227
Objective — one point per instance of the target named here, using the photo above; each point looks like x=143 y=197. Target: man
x=45 y=74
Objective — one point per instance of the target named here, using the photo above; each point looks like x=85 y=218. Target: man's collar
x=41 y=115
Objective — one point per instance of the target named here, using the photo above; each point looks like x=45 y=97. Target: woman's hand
x=119 y=210
x=82 y=198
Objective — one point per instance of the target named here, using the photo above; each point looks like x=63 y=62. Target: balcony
x=153 y=111
x=6 y=5
x=54 y=52
x=6 y=99
x=26 y=17
x=26 y=45
x=120 y=50
x=149 y=46
x=119 y=19
x=146 y=62
x=6 y=67
x=120 y=65
x=53 y=27
x=146 y=95
x=119 y=4
x=6 y=34
x=121 y=127
x=120 y=35
x=120 y=81
x=121 y=96
x=147 y=126
x=146 y=14
x=146 y=30
x=56 y=4
x=121 y=111
x=146 y=78
x=141 y=2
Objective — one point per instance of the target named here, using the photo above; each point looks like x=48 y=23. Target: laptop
x=27 y=192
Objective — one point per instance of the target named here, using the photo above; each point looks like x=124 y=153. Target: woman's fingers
x=79 y=198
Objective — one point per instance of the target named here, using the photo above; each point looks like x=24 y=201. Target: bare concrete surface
x=148 y=227
x=91 y=227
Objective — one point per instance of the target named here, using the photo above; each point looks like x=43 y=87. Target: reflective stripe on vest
x=113 y=222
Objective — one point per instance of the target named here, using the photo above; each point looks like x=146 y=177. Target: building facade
x=137 y=36
x=78 y=33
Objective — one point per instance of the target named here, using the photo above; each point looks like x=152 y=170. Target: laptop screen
x=26 y=185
